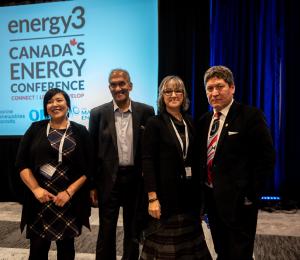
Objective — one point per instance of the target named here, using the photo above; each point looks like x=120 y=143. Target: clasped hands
x=43 y=196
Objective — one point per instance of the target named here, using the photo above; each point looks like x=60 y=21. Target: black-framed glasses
x=169 y=91
x=117 y=83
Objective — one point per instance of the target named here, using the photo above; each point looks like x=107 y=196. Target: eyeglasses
x=219 y=88
x=118 y=83
x=169 y=92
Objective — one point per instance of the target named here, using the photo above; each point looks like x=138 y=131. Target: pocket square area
x=232 y=133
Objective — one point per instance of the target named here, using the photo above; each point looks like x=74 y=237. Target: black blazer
x=103 y=131
x=35 y=150
x=244 y=158
x=164 y=167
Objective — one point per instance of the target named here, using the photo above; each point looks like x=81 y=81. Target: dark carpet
x=267 y=247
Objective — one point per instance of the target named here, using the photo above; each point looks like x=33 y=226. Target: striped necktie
x=212 y=145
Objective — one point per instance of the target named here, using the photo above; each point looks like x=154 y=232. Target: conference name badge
x=188 y=172
x=47 y=170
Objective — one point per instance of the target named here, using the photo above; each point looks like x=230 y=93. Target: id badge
x=47 y=170
x=188 y=172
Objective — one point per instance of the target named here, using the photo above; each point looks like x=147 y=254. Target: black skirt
x=179 y=237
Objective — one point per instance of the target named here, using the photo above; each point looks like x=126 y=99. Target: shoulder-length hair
x=177 y=82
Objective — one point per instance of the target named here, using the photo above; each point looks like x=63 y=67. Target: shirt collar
x=116 y=108
x=225 y=110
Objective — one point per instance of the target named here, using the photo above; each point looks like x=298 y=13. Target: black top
x=35 y=150
x=164 y=166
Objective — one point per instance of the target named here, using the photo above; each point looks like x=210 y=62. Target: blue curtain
x=248 y=37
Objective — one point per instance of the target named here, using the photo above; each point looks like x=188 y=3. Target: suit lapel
x=207 y=124
x=111 y=123
x=232 y=113
x=204 y=133
x=136 y=116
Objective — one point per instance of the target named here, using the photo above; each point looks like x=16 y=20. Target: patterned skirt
x=52 y=222
x=180 y=237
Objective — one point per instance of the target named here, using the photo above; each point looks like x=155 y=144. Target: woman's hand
x=42 y=195
x=62 y=198
x=154 y=209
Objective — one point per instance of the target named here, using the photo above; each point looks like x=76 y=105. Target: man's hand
x=94 y=198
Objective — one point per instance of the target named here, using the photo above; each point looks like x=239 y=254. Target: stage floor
x=278 y=236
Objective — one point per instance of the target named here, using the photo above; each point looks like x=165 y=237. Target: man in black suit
x=236 y=155
x=116 y=128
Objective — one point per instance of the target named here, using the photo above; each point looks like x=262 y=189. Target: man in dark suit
x=236 y=155
x=116 y=128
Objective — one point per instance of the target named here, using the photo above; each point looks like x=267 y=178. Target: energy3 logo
x=54 y=25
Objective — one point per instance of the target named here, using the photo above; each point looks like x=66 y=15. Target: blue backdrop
x=249 y=38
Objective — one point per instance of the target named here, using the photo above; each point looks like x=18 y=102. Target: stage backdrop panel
x=73 y=45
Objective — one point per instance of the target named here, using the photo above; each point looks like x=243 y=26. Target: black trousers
x=124 y=193
x=39 y=249
x=232 y=241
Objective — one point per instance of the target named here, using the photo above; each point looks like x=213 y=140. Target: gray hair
x=122 y=71
x=178 y=83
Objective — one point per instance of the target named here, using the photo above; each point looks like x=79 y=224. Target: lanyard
x=61 y=141
x=184 y=153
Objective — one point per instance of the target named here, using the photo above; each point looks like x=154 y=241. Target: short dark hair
x=220 y=72
x=52 y=92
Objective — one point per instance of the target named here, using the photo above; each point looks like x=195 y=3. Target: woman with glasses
x=174 y=230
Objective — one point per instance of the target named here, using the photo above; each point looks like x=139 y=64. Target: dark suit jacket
x=103 y=131
x=243 y=160
x=164 y=167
